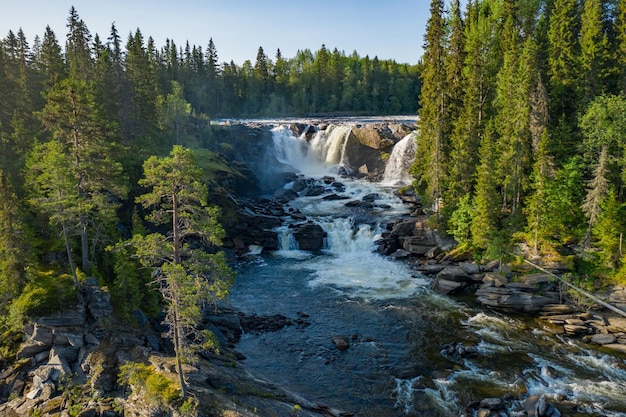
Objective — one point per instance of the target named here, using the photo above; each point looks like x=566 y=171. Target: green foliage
x=155 y=387
x=46 y=292
x=461 y=221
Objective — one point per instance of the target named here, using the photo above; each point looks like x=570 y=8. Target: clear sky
x=389 y=29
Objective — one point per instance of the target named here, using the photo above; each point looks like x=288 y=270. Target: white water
x=349 y=266
x=400 y=161
x=511 y=357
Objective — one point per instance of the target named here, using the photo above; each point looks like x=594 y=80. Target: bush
x=152 y=385
x=46 y=293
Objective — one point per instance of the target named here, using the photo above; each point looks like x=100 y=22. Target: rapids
x=396 y=325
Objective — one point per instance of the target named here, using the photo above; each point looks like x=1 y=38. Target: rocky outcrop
x=310 y=236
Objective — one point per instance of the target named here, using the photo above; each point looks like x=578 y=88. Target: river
x=396 y=326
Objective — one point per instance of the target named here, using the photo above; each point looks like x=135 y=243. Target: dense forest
x=522 y=130
x=80 y=118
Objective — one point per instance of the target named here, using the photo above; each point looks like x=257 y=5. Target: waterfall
x=313 y=158
x=400 y=160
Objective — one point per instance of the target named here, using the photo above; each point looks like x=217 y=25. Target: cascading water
x=395 y=365
x=400 y=161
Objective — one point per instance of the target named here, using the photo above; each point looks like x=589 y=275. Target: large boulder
x=310 y=236
x=511 y=300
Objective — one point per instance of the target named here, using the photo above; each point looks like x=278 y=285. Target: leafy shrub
x=47 y=292
x=152 y=385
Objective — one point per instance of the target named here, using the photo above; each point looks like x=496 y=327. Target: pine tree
x=188 y=276
x=73 y=120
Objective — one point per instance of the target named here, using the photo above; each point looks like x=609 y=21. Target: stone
x=536 y=278
x=617 y=324
x=522 y=287
x=40 y=357
x=30 y=350
x=490 y=266
x=576 y=329
x=511 y=300
x=454 y=273
x=431 y=268
x=400 y=253
x=494 y=279
x=404 y=228
x=446 y=287
x=618 y=347
x=74 y=317
x=310 y=236
x=492 y=403
x=603 y=339
x=558 y=309
x=341 y=343
x=98 y=302
x=469 y=267
x=42 y=334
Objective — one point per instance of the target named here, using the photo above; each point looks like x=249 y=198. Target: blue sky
x=389 y=29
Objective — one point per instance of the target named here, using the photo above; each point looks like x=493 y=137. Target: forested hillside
x=80 y=113
x=523 y=129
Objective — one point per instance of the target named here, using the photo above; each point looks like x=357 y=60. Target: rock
x=30 y=349
x=42 y=334
x=454 y=273
x=575 y=329
x=431 y=268
x=617 y=324
x=335 y=197
x=603 y=339
x=558 y=309
x=313 y=190
x=522 y=287
x=446 y=287
x=469 y=267
x=98 y=303
x=536 y=279
x=74 y=317
x=492 y=404
x=490 y=266
x=495 y=280
x=511 y=300
x=284 y=196
x=404 y=228
x=309 y=236
x=400 y=253
x=618 y=347
x=341 y=343
x=417 y=245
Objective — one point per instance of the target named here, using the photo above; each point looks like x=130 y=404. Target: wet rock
x=341 y=342
x=310 y=236
x=284 y=196
x=446 y=287
x=491 y=279
x=335 y=197
x=313 y=190
x=511 y=300
x=400 y=254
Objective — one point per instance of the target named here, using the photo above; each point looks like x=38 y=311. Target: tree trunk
x=71 y=261
x=175 y=231
x=84 y=246
x=177 y=350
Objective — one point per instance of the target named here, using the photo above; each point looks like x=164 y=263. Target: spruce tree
x=429 y=170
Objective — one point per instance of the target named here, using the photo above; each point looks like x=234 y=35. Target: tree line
x=522 y=133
